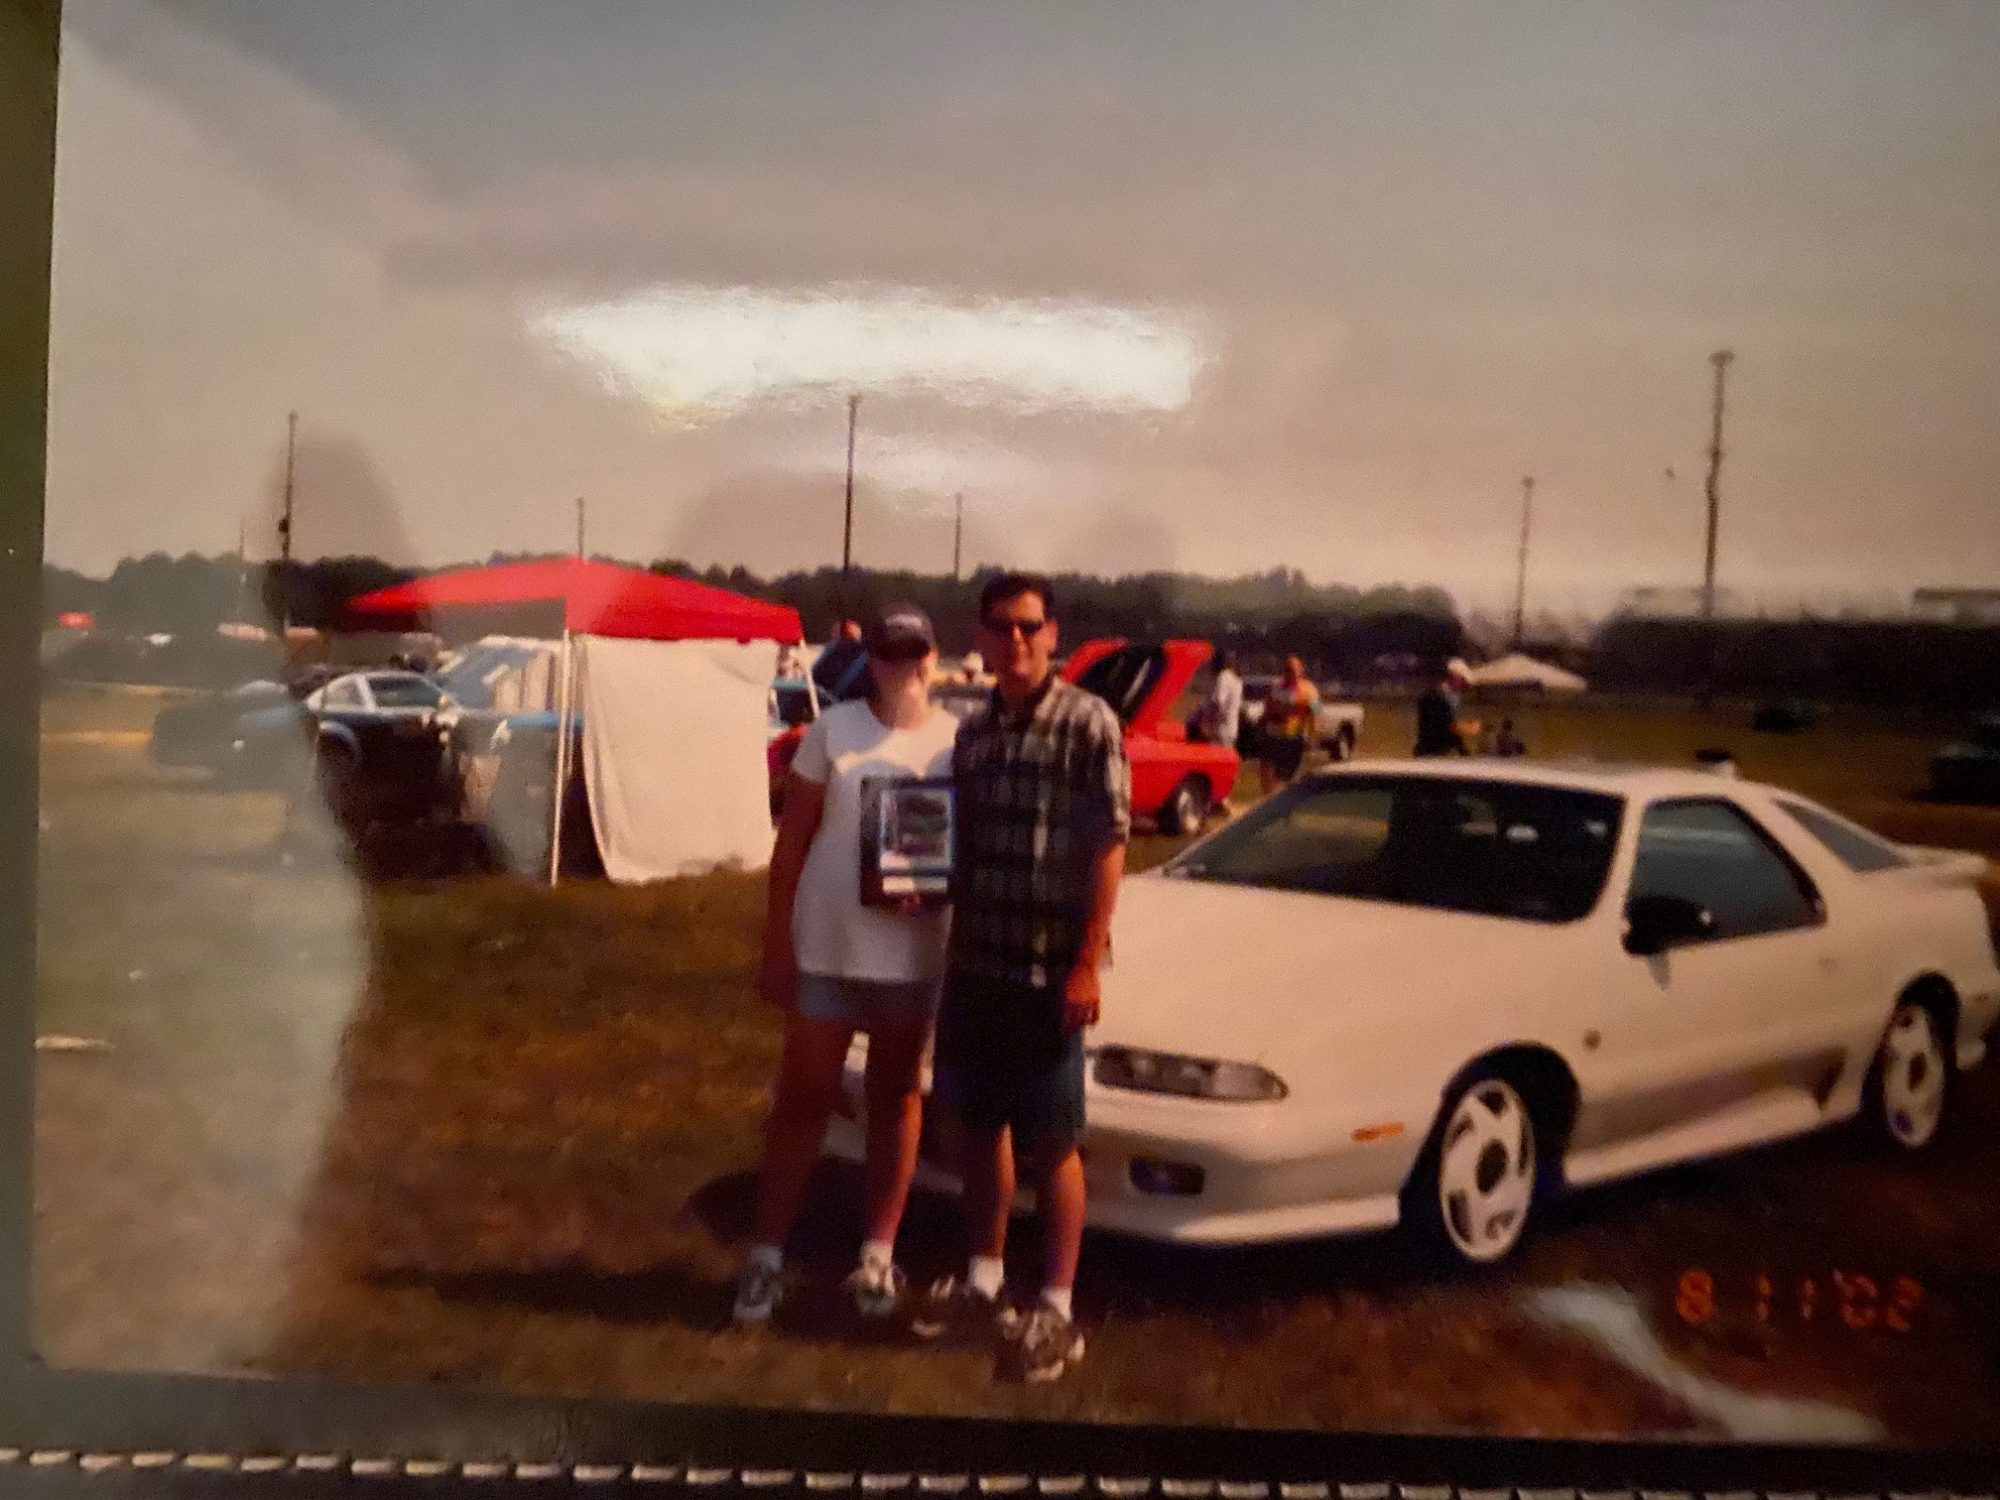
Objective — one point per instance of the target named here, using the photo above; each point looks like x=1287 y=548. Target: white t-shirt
x=832 y=932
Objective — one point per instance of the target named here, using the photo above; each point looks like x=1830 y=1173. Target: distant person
x=1441 y=722
x=1508 y=743
x=1285 y=731
x=841 y=673
x=1221 y=713
x=972 y=669
x=835 y=965
x=1044 y=811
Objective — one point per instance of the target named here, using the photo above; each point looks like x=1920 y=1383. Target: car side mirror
x=1653 y=924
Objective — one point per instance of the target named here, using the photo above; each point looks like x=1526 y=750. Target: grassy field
x=483 y=1132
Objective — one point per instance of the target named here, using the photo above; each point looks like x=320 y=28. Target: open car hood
x=1179 y=661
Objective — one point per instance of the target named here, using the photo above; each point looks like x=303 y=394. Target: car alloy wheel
x=1486 y=1170
x=1187 y=808
x=1912 y=1076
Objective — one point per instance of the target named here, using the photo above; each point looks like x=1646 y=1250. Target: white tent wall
x=673 y=754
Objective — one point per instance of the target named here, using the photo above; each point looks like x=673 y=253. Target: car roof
x=1635 y=780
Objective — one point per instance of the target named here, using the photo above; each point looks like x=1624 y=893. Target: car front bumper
x=1203 y=1172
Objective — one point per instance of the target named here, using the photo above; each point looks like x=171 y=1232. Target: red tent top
x=596 y=598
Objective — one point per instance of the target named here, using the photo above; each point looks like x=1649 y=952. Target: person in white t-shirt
x=836 y=964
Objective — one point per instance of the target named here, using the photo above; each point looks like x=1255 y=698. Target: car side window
x=1711 y=854
x=342 y=695
x=1861 y=851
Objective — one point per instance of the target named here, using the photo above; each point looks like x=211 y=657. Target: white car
x=1420 y=993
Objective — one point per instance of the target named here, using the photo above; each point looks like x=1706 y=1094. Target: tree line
x=1337 y=628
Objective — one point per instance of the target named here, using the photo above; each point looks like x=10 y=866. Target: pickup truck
x=1336 y=726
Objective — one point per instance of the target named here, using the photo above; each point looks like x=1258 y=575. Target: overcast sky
x=1214 y=286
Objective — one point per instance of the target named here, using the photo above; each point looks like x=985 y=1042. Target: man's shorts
x=867 y=1003
x=1041 y=1103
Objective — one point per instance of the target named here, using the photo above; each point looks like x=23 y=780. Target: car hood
x=1333 y=984
x=1183 y=659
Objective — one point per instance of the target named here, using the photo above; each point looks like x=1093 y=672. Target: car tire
x=1470 y=1197
x=1186 y=809
x=1908 y=1098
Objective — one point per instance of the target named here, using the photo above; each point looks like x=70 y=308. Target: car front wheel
x=1910 y=1085
x=1187 y=809
x=1475 y=1185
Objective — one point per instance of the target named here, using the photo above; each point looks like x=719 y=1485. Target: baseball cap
x=900 y=632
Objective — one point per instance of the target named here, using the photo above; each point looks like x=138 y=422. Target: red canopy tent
x=595 y=598
x=587 y=598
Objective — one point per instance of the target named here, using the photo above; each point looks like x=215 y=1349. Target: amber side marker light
x=1386 y=1132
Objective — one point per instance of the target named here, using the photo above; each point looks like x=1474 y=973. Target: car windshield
x=1494 y=848
x=404 y=692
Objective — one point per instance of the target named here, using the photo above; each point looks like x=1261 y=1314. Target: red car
x=1175 y=781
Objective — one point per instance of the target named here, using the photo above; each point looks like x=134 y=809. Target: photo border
x=87 y=1423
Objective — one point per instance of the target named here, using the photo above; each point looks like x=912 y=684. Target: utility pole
x=957 y=531
x=1521 y=569
x=1721 y=360
x=847 y=528
x=285 y=528
x=242 y=572
x=579 y=526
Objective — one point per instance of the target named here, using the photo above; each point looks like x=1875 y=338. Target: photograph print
x=1270 y=718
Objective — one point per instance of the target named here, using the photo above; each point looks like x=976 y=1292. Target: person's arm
x=798 y=822
x=1111 y=781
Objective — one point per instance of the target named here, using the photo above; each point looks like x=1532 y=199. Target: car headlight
x=1190 y=1077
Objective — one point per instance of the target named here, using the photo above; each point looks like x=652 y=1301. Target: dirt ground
x=482 y=1132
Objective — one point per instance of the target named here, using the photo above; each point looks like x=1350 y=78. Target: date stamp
x=1853 y=1300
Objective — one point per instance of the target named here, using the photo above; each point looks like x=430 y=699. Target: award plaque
x=907 y=833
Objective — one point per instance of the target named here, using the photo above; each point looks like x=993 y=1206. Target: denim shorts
x=1041 y=1102
x=862 y=1003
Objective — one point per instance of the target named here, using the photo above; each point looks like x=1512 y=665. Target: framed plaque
x=908 y=831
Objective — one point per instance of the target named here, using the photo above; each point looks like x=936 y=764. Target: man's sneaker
x=955 y=1310
x=1048 y=1346
x=758 y=1292
x=877 y=1288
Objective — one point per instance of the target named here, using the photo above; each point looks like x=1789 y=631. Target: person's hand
x=1081 y=997
x=778 y=980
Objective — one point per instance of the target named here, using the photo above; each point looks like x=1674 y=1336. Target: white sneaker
x=877 y=1288
x=759 y=1290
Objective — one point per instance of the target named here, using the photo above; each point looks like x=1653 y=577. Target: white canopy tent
x=1522 y=672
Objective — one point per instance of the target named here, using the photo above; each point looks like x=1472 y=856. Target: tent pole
x=564 y=699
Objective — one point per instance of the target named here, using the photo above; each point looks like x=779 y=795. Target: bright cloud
x=698 y=353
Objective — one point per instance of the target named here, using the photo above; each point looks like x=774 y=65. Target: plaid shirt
x=1041 y=794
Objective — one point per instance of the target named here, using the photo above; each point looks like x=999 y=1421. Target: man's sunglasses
x=1026 y=629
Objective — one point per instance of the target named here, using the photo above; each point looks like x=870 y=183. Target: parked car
x=1176 y=782
x=1785 y=716
x=1455 y=990
x=196 y=733
x=377 y=740
x=1336 y=726
x=1968 y=770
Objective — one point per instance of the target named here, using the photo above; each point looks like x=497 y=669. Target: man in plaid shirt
x=1044 y=808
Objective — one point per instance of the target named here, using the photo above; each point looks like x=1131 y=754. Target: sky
x=1211 y=287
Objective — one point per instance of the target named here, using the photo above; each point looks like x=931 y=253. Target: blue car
x=1968 y=770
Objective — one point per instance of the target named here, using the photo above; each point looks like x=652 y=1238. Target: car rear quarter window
x=1714 y=855
x=1857 y=848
